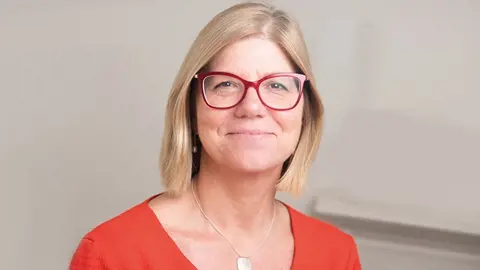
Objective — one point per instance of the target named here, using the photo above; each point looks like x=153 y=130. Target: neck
x=237 y=201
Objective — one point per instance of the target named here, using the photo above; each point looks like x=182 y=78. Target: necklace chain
x=219 y=232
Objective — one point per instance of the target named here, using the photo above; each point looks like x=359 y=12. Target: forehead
x=252 y=58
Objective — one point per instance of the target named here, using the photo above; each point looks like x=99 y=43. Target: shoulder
x=316 y=228
x=118 y=240
x=123 y=228
x=329 y=245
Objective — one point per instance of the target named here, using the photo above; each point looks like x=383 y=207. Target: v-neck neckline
x=299 y=238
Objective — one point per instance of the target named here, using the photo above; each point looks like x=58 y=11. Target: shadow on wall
x=394 y=159
x=390 y=157
x=401 y=150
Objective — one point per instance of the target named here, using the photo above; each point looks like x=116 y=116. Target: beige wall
x=83 y=87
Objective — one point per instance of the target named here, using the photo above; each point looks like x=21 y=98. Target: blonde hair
x=177 y=163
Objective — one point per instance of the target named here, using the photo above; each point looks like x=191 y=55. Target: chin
x=257 y=164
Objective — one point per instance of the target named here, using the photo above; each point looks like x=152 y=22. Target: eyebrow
x=265 y=74
x=260 y=75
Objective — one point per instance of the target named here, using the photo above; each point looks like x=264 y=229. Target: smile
x=250 y=132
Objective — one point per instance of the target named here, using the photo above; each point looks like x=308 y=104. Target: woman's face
x=249 y=137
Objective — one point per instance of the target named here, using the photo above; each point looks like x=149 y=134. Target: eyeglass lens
x=279 y=92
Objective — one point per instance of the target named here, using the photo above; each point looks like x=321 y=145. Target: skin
x=243 y=149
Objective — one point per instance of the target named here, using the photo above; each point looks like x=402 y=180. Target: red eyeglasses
x=279 y=91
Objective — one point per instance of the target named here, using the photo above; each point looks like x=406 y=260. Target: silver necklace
x=243 y=262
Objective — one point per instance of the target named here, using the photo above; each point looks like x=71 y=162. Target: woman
x=243 y=122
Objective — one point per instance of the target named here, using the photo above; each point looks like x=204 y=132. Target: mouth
x=251 y=132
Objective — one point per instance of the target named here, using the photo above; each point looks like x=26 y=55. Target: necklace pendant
x=244 y=263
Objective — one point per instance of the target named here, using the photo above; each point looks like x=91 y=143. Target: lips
x=249 y=132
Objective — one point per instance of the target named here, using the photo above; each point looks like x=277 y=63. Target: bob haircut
x=178 y=163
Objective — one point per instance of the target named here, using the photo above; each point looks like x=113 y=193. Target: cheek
x=291 y=121
x=209 y=121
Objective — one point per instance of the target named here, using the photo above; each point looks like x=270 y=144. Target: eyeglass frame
x=253 y=84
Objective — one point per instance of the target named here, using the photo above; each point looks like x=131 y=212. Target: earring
x=194 y=147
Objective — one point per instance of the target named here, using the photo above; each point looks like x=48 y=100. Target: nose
x=251 y=105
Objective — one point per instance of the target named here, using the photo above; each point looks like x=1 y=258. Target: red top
x=136 y=240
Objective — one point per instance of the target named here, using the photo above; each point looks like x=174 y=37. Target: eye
x=277 y=86
x=224 y=84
